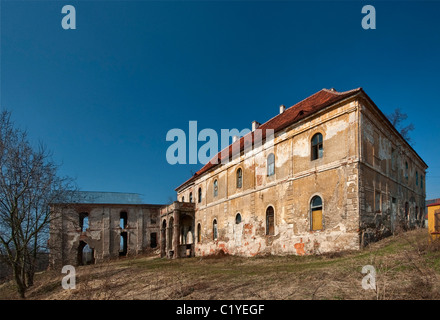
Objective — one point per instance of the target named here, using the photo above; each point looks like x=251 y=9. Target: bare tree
x=397 y=118
x=29 y=183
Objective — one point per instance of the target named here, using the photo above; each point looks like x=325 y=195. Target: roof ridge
x=334 y=91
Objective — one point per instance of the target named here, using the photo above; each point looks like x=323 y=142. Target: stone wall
x=104 y=231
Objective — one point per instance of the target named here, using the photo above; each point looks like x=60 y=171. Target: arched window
x=214 y=230
x=199 y=233
x=270 y=221
x=238 y=218
x=271 y=164
x=199 y=198
x=316 y=213
x=417 y=178
x=83 y=221
x=317 y=147
x=239 y=178
x=215 y=188
x=190 y=197
x=183 y=199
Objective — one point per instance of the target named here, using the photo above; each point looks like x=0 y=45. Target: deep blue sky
x=102 y=97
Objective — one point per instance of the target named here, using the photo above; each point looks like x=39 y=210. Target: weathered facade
x=336 y=176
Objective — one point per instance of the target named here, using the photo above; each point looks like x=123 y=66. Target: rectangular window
x=393 y=159
x=437 y=221
x=377 y=202
x=317 y=219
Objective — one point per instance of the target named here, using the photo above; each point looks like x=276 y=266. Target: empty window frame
x=199 y=197
x=238 y=218
x=215 y=188
x=183 y=199
x=317 y=147
x=239 y=178
x=417 y=178
x=214 y=230
x=123 y=216
x=316 y=213
x=153 y=240
x=123 y=244
x=271 y=164
x=190 y=197
x=83 y=221
x=270 y=221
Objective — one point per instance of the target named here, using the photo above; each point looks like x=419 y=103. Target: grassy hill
x=407 y=267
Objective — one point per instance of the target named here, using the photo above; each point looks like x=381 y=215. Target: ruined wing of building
x=337 y=176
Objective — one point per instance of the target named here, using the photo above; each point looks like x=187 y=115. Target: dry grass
x=407 y=267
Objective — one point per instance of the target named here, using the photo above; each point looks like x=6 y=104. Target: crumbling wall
x=104 y=231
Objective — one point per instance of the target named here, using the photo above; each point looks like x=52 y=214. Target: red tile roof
x=301 y=110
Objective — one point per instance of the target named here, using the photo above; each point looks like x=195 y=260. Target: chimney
x=234 y=138
x=282 y=108
x=255 y=125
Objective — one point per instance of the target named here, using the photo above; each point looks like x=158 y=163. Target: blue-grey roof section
x=97 y=197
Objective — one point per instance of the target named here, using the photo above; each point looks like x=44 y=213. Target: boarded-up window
x=406 y=171
x=377 y=207
x=199 y=233
x=393 y=158
x=316 y=213
x=437 y=221
x=270 y=221
x=377 y=160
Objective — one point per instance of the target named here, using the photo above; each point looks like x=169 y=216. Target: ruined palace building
x=336 y=176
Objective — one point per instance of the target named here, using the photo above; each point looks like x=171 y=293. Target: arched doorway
x=86 y=254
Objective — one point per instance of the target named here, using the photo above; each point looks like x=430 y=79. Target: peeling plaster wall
x=297 y=179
